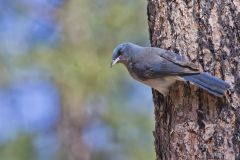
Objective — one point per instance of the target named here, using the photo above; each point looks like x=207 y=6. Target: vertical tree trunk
x=70 y=128
x=190 y=123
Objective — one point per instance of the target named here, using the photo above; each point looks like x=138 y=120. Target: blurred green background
x=59 y=98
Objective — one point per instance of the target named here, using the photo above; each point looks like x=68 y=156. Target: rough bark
x=190 y=123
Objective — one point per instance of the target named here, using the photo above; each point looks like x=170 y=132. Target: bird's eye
x=120 y=52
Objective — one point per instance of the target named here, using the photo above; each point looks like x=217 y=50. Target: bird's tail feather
x=208 y=82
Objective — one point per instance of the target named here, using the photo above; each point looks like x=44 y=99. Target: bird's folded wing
x=156 y=63
x=177 y=59
x=158 y=67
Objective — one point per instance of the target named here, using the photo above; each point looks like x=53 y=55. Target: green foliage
x=90 y=34
x=20 y=148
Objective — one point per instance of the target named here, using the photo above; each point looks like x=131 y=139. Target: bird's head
x=120 y=54
x=123 y=53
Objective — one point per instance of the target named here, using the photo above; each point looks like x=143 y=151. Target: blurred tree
x=80 y=67
x=88 y=41
x=70 y=43
x=190 y=123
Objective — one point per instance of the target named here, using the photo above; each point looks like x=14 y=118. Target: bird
x=160 y=68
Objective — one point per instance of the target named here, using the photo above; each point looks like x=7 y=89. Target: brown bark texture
x=190 y=123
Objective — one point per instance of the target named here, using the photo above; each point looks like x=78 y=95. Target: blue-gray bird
x=159 y=68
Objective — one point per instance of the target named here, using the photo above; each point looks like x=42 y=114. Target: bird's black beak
x=114 y=61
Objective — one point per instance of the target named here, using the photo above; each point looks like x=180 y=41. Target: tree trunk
x=190 y=123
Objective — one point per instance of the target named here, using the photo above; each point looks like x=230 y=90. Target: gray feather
x=147 y=64
x=208 y=82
